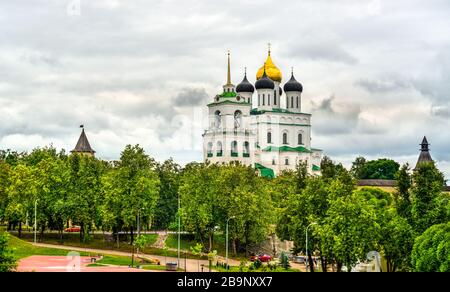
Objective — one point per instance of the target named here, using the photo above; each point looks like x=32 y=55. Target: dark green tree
x=431 y=252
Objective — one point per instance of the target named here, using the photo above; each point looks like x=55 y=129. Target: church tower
x=83 y=147
x=424 y=156
x=229 y=136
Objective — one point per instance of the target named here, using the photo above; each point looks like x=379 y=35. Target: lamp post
x=179 y=230
x=307 y=255
x=226 y=239
x=35 y=222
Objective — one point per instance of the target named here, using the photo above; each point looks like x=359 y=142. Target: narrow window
x=300 y=139
x=264 y=99
x=286 y=161
x=297 y=101
x=269 y=137
x=292 y=101
x=285 y=138
x=268 y=99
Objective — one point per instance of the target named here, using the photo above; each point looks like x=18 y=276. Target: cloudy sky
x=376 y=74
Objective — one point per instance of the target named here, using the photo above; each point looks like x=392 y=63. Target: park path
x=191 y=265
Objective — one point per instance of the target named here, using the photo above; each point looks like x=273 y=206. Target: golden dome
x=272 y=70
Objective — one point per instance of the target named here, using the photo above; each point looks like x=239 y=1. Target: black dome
x=245 y=86
x=265 y=82
x=293 y=85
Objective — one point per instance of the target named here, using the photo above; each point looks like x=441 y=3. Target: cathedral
x=267 y=130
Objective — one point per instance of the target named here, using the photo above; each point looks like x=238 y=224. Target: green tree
x=402 y=192
x=374 y=169
x=431 y=252
x=197 y=250
x=350 y=230
x=427 y=188
x=358 y=169
x=22 y=193
x=167 y=205
x=131 y=190
x=7 y=260
x=284 y=261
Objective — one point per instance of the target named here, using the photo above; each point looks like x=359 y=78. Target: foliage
x=284 y=261
x=427 y=188
x=374 y=169
x=7 y=259
x=431 y=252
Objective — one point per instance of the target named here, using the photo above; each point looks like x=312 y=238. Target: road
x=191 y=265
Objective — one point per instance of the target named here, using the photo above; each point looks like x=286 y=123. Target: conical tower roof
x=83 y=145
x=424 y=153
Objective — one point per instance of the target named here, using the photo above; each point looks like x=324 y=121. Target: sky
x=375 y=73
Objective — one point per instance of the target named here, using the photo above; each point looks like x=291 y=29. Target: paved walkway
x=192 y=265
x=66 y=264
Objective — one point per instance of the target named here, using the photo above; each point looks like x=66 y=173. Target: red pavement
x=66 y=264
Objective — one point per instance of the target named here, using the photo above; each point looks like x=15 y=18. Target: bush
x=257 y=264
x=284 y=261
x=7 y=260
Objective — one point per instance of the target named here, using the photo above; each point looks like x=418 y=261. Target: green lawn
x=23 y=249
x=126 y=261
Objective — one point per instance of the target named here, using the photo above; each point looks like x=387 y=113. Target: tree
x=350 y=230
x=427 y=188
x=374 y=169
x=359 y=167
x=197 y=250
x=431 y=252
x=5 y=170
x=284 y=261
x=7 y=260
x=167 y=205
x=396 y=234
x=329 y=169
x=131 y=190
x=21 y=194
x=402 y=192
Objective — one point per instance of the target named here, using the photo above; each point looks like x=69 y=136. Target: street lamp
x=179 y=230
x=226 y=239
x=35 y=222
x=307 y=255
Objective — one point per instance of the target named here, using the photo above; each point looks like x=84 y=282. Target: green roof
x=315 y=167
x=229 y=102
x=287 y=149
x=316 y=149
x=275 y=110
x=228 y=94
x=265 y=171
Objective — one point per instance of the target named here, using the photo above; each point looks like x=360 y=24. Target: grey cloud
x=383 y=86
x=329 y=121
x=191 y=97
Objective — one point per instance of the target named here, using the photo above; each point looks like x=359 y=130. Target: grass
x=23 y=249
x=126 y=261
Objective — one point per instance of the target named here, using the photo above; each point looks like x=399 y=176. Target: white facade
x=273 y=135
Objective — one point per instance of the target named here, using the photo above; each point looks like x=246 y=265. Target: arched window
x=237 y=119
x=219 y=149
x=300 y=139
x=274 y=161
x=218 y=119
x=259 y=99
x=210 y=149
x=285 y=138
x=286 y=161
x=269 y=137
x=246 y=149
x=275 y=97
x=268 y=99
x=264 y=99
x=287 y=102
x=297 y=101
x=292 y=101
x=234 y=150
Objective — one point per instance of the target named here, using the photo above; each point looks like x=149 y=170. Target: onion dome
x=271 y=69
x=245 y=86
x=264 y=82
x=293 y=85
